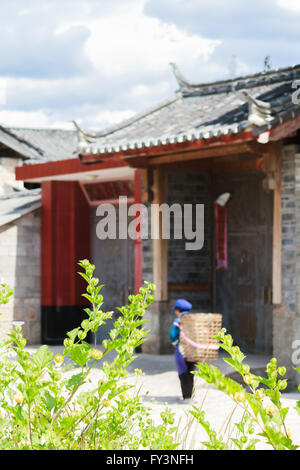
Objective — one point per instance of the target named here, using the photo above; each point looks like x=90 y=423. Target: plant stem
x=29 y=424
x=73 y=393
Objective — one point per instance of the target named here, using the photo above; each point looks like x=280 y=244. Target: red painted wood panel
x=65 y=240
x=64 y=167
x=285 y=129
x=64 y=243
x=47 y=244
x=82 y=241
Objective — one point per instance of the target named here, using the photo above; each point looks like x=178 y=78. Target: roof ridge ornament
x=191 y=88
x=82 y=137
x=259 y=111
x=181 y=80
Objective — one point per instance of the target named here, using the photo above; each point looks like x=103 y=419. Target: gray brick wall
x=286 y=317
x=20 y=268
x=289 y=241
x=185 y=266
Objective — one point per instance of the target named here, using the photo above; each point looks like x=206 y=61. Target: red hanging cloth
x=221 y=236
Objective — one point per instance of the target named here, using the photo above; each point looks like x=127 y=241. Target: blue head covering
x=182 y=305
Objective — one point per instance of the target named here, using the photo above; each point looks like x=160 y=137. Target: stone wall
x=7 y=174
x=183 y=266
x=188 y=266
x=20 y=268
x=286 y=317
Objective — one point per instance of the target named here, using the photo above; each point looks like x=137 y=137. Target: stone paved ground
x=161 y=382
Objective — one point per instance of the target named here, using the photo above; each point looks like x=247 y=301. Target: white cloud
x=125 y=41
x=128 y=69
x=31 y=119
x=129 y=42
x=293 y=5
x=24 y=12
x=140 y=90
x=3 y=86
x=106 y=118
x=99 y=61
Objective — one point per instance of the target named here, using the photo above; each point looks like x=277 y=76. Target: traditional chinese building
x=20 y=222
x=232 y=146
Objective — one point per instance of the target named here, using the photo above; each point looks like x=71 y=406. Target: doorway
x=243 y=291
x=114 y=262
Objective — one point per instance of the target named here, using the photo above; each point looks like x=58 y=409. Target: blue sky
x=100 y=61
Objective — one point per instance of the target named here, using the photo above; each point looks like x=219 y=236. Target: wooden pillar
x=160 y=245
x=48 y=244
x=277 y=267
x=138 y=259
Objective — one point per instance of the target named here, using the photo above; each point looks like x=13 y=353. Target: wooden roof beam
x=209 y=152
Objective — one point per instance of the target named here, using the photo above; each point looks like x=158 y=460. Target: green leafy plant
x=260 y=399
x=42 y=409
x=5 y=293
x=94 y=407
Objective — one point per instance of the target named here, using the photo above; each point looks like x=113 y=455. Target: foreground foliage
x=40 y=409
x=260 y=399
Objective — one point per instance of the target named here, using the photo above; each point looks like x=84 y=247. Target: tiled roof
x=40 y=145
x=16 y=204
x=197 y=111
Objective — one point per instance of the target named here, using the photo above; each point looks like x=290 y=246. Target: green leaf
x=42 y=357
x=236 y=365
x=80 y=353
x=251 y=444
x=85 y=277
x=88 y=297
x=19 y=415
x=237 y=443
x=254 y=403
x=284 y=412
x=74 y=381
x=50 y=401
x=73 y=333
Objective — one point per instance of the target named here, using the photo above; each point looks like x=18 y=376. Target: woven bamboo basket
x=200 y=328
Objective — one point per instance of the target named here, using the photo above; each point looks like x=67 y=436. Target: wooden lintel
x=228 y=164
x=285 y=129
x=189 y=286
x=211 y=152
x=235 y=166
x=137 y=162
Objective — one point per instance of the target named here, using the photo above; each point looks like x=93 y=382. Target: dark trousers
x=187 y=380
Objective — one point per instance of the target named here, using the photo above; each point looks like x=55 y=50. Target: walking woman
x=184 y=368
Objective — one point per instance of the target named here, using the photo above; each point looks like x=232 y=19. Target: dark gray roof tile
x=40 y=145
x=199 y=111
x=16 y=204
